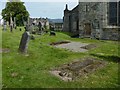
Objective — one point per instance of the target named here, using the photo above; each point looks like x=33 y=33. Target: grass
x=33 y=70
x=0 y=59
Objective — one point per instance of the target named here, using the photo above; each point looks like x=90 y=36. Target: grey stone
x=20 y=29
x=24 y=42
x=52 y=33
x=92 y=19
x=5 y=26
x=32 y=37
x=11 y=28
x=11 y=23
x=73 y=46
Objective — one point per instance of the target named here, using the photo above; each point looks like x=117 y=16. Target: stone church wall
x=111 y=34
x=90 y=19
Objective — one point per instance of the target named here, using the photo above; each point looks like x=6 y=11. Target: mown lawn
x=33 y=70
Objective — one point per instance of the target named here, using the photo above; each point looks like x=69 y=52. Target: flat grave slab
x=72 y=46
x=75 y=70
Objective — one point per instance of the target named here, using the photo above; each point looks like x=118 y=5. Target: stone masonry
x=93 y=19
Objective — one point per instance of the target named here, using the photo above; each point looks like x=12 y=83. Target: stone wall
x=58 y=26
x=90 y=19
x=71 y=20
x=74 y=20
x=111 y=34
x=66 y=20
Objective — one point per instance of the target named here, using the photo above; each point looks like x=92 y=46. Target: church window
x=112 y=13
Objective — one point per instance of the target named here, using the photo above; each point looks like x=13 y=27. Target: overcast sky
x=46 y=9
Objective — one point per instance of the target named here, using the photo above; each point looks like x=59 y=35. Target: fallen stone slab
x=59 y=42
x=73 y=46
x=89 y=47
x=75 y=70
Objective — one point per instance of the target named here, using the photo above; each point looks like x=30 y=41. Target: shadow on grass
x=113 y=58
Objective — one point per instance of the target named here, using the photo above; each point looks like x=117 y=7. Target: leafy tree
x=16 y=9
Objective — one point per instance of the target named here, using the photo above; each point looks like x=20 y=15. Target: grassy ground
x=33 y=70
x=0 y=59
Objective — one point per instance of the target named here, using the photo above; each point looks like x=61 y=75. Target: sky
x=53 y=10
x=48 y=9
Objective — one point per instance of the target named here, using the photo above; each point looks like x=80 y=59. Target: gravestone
x=14 y=24
x=24 y=42
x=20 y=29
x=11 y=27
x=5 y=26
x=52 y=33
x=52 y=27
x=11 y=23
x=40 y=26
x=32 y=37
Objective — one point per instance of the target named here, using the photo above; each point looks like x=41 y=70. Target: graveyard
x=58 y=61
x=79 y=49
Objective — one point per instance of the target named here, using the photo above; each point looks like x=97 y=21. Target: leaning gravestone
x=24 y=42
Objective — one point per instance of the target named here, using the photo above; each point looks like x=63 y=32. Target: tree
x=16 y=9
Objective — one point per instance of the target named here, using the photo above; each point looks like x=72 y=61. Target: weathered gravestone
x=20 y=29
x=4 y=26
x=32 y=37
x=52 y=28
x=24 y=42
x=52 y=33
x=40 y=26
x=11 y=23
x=14 y=24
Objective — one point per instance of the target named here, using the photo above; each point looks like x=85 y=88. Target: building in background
x=93 y=19
x=57 y=24
x=43 y=21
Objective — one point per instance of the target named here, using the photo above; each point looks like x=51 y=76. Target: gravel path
x=73 y=46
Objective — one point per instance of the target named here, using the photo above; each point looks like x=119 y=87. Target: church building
x=99 y=20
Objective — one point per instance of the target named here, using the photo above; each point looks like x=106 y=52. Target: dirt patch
x=4 y=50
x=77 y=69
x=60 y=42
x=89 y=47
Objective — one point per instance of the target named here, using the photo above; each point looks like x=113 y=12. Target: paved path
x=73 y=46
